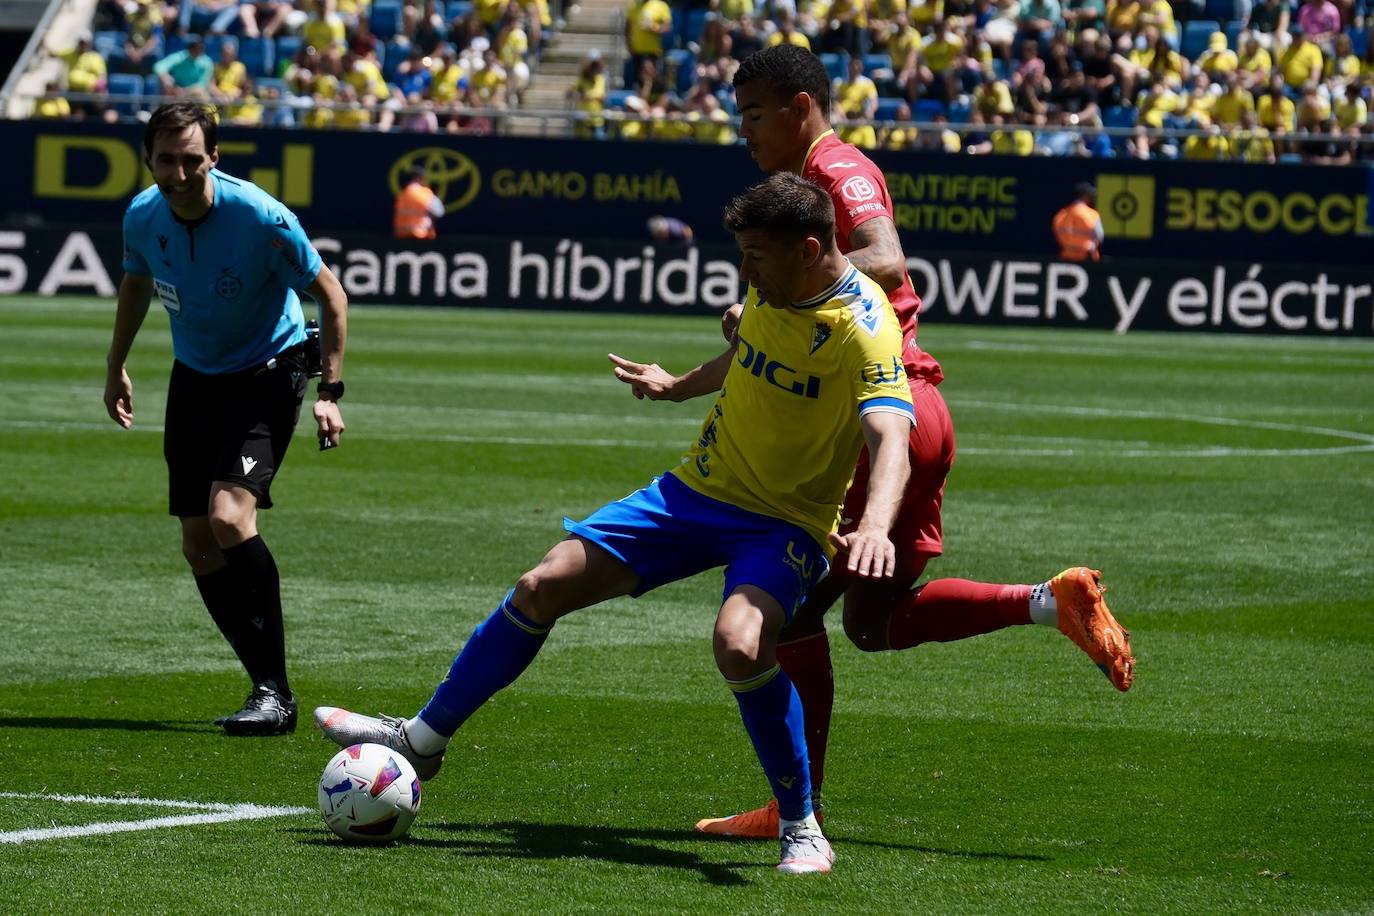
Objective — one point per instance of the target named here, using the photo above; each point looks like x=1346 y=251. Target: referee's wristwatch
x=330 y=391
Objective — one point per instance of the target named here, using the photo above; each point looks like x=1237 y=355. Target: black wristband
x=335 y=390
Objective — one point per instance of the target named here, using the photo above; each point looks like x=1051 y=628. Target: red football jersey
x=859 y=192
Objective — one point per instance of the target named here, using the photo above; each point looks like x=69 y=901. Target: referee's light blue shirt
x=229 y=280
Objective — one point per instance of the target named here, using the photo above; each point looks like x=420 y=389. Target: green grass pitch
x=1224 y=484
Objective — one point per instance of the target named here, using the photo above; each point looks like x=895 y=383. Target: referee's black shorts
x=232 y=428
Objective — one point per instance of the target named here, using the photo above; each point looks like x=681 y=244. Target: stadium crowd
x=1256 y=80
x=349 y=64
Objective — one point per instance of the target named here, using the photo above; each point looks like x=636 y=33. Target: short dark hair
x=787 y=69
x=784 y=204
x=174 y=117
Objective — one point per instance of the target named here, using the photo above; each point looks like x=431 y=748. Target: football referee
x=226 y=260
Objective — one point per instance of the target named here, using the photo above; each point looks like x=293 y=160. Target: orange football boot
x=1085 y=618
x=759 y=824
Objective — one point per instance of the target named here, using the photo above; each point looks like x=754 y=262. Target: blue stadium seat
x=836 y=65
x=959 y=112
x=1119 y=116
x=874 y=62
x=1359 y=41
x=213 y=44
x=152 y=87
x=268 y=82
x=1000 y=70
x=681 y=65
x=288 y=46
x=397 y=50
x=1220 y=10
x=696 y=24
x=457 y=9
x=887 y=109
x=177 y=43
x=927 y=109
x=126 y=84
x=256 y=54
x=385 y=18
x=674 y=37
x=727 y=102
x=1195 y=36
x=108 y=43
x=615 y=98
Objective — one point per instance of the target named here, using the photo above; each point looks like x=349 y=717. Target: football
x=369 y=794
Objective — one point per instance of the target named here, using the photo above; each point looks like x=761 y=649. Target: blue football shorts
x=667 y=531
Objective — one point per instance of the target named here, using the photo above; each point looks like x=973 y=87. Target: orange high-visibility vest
x=1075 y=228
x=412 y=219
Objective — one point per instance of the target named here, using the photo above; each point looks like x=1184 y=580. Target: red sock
x=807 y=663
x=944 y=610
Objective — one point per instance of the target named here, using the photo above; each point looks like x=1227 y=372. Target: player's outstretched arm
x=877 y=252
x=333 y=336
x=135 y=292
x=652 y=381
x=871 y=553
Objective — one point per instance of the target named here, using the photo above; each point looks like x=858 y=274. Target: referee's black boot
x=265 y=712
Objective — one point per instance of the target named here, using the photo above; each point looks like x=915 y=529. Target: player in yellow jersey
x=817 y=376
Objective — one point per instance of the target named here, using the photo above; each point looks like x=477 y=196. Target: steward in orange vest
x=416 y=209
x=1078 y=227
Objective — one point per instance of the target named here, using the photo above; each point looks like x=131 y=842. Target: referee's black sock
x=254 y=569
x=224 y=600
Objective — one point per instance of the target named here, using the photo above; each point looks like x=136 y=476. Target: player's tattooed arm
x=878 y=252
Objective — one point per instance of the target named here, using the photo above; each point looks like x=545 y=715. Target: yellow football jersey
x=785 y=431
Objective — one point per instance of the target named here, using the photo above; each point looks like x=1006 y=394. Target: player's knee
x=201 y=552
x=867 y=631
x=737 y=653
x=536 y=597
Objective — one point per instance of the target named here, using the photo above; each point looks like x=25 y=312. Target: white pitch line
x=210 y=813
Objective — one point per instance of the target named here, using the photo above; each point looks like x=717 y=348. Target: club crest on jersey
x=228 y=286
x=820 y=336
x=858 y=189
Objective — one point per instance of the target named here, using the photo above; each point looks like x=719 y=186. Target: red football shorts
x=917 y=532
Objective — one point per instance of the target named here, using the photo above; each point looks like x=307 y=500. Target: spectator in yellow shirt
x=1252 y=143
x=52 y=104
x=325 y=31
x=230 y=74
x=938 y=57
x=1159 y=101
x=245 y=111
x=787 y=32
x=1218 y=58
x=857 y=96
x=1254 y=64
x=646 y=22
x=490 y=86
x=1343 y=65
x=1274 y=110
x=843 y=26
x=86 y=70
x=1350 y=109
x=588 y=95
x=992 y=98
x=1312 y=110
x=1301 y=63
x=1231 y=105
x=1208 y=147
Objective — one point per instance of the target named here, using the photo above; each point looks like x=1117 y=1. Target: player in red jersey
x=784 y=95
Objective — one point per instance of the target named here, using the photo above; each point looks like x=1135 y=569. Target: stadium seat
x=1119 y=116
x=457 y=9
x=1195 y=37
x=397 y=50
x=288 y=46
x=836 y=65
x=256 y=54
x=674 y=37
x=680 y=65
x=385 y=18
x=268 y=82
x=696 y=24
x=615 y=98
x=875 y=62
x=152 y=86
x=927 y=109
x=127 y=84
x=108 y=43
x=1359 y=41
x=177 y=43
x=213 y=44
x=959 y=112
x=727 y=102
x=1220 y=10
x=887 y=109
x=1000 y=70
